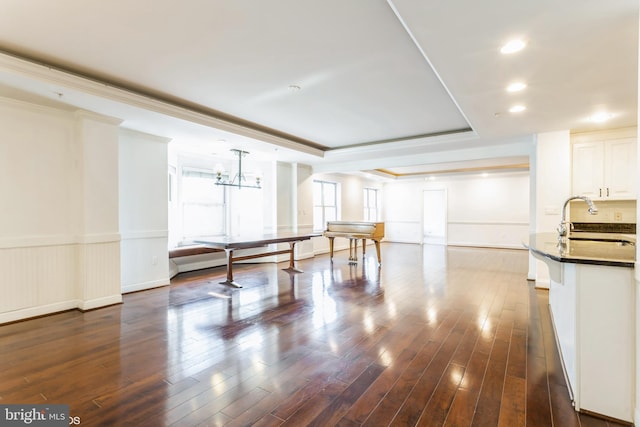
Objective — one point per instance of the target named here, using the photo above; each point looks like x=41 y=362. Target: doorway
x=435 y=217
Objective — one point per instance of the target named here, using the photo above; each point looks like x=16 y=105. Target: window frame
x=219 y=198
x=323 y=206
x=368 y=208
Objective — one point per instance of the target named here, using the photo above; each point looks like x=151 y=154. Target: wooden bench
x=191 y=250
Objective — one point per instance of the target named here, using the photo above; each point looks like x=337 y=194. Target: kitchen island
x=592 y=302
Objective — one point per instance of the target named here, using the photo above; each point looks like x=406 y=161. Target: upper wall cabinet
x=605 y=169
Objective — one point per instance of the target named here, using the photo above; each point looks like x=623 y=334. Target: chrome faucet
x=562 y=228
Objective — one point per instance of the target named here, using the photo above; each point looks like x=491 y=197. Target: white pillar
x=552 y=186
x=637 y=289
x=294 y=196
x=98 y=255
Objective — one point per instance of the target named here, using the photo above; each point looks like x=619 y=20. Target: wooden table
x=230 y=244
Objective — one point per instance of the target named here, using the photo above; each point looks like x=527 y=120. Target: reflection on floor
x=435 y=336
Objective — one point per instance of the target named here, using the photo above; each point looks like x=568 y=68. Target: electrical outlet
x=617 y=216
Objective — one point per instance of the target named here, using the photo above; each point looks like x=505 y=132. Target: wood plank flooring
x=435 y=336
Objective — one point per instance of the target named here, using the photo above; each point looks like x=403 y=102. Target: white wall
x=286 y=195
x=303 y=209
x=59 y=239
x=553 y=187
x=352 y=198
x=143 y=211
x=39 y=174
x=402 y=204
x=490 y=211
x=434 y=205
x=304 y=199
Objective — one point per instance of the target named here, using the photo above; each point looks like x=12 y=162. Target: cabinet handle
x=607 y=191
x=600 y=192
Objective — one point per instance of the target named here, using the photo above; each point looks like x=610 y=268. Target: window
x=325 y=203
x=202 y=203
x=370 y=204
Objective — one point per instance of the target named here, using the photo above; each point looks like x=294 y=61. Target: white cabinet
x=605 y=170
x=605 y=321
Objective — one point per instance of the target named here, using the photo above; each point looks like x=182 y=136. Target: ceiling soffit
x=360 y=81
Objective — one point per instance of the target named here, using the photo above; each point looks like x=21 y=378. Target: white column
x=553 y=187
x=637 y=290
x=533 y=206
x=98 y=267
x=294 y=196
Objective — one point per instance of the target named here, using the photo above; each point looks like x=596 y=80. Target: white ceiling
x=406 y=86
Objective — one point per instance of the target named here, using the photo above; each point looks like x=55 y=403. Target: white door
x=435 y=217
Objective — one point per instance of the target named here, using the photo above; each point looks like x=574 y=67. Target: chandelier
x=239 y=180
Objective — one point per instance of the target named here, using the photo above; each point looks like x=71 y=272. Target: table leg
x=292 y=263
x=229 y=280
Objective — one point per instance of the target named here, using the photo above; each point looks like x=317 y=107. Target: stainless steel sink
x=619 y=240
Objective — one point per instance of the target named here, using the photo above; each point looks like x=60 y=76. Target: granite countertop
x=617 y=250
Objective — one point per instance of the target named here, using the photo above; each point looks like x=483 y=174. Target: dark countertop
x=598 y=252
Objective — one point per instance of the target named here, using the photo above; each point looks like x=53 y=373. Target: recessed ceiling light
x=601 y=117
x=516 y=86
x=513 y=46
x=517 y=108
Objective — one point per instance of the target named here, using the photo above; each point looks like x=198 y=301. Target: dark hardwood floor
x=436 y=336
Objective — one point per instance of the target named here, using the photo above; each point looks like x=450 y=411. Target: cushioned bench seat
x=191 y=250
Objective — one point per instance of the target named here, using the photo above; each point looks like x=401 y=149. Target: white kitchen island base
x=593 y=314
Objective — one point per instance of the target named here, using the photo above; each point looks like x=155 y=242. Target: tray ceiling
x=316 y=81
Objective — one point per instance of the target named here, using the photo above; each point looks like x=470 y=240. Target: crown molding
x=52 y=75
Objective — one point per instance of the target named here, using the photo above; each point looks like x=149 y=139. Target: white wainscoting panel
x=144 y=260
x=403 y=231
x=37 y=280
x=321 y=245
x=99 y=274
x=488 y=234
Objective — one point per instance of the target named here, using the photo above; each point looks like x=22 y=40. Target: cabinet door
x=620 y=169
x=606 y=341
x=588 y=169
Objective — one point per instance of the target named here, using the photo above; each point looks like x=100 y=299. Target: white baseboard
x=134 y=287
x=199 y=265
x=100 y=302
x=31 y=312
x=26 y=313
x=543 y=284
x=487 y=245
